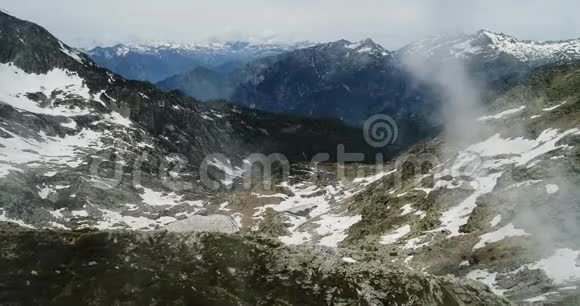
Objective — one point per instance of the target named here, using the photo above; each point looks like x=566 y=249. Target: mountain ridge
x=464 y=45
x=155 y=62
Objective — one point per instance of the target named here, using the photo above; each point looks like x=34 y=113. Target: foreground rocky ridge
x=136 y=268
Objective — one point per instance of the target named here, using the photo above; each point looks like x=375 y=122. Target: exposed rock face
x=105 y=268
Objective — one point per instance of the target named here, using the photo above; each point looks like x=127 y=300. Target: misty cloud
x=390 y=22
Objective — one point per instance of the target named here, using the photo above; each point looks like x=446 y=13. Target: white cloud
x=391 y=22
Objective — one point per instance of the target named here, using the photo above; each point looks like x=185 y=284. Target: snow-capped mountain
x=489 y=46
x=237 y=47
x=221 y=82
x=496 y=61
x=352 y=81
x=157 y=61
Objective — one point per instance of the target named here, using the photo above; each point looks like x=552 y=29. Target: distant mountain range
x=157 y=61
x=344 y=80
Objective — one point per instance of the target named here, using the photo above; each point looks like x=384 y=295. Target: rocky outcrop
x=132 y=268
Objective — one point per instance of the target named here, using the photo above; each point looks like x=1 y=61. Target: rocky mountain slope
x=204 y=83
x=502 y=209
x=157 y=61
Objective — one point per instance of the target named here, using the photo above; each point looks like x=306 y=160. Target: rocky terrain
x=115 y=192
x=104 y=268
x=501 y=209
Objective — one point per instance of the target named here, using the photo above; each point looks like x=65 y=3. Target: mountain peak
x=368 y=46
x=33 y=49
x=495 y=37
x=491 y=45
x=368 y=42
x=161 y=60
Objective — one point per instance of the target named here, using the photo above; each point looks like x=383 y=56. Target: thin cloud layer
x=393 y=23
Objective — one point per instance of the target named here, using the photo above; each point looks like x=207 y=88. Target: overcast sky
x=393 y=23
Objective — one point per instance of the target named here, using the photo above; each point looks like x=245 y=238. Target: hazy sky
x=393 y=23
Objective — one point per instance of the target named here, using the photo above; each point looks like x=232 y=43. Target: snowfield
x=16 y=83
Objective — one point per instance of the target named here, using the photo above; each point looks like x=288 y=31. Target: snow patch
x=495 y=221
x=22 y=152
x=349 y=260
x=561 y=267
x=16 y=83
x=455 y=217
x=72 y=53
x=487 y=278
x=415 y=243
x=230 y=172
x=507 y=231
x=333 y=229
x=407 y=209
x=396 y=234
x=524 y=149
x=541 y=298
x=4 y=218
x=549 y=109
x=552 y=188
x=503 y=114
x=157 y=198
